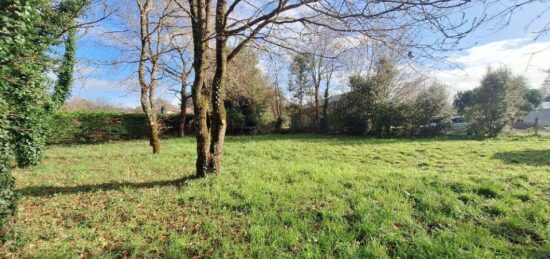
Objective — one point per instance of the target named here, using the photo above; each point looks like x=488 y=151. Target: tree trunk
x=150 y=111
x=203 y=134
x=317 y=117
x=183 y=117
x=62 y=88
x=183 y=107
x=300 y=126
x=201 y=103
x=324 y=122
x=200 y=12
x=316 y=74
x=148 y=88
x=154 y=140
x=219 y=124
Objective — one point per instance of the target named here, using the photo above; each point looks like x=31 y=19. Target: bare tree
x=152 y=38
x=152 y=20
x=179 y=66
x=505 y=11
x=330 y=68
x=245 y=22
x=199 y=11
x=185 y=72
x=278 y=97
x=317 y=44
x=325 y=47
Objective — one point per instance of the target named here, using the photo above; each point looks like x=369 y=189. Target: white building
x=542 y=113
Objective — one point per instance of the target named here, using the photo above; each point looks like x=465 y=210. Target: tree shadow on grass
x=44 y=191
x=528 y=157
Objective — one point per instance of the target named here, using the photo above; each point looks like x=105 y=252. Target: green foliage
x=249 y=95
x=29 y=31
x=7 y=198
x=97 y=127
x=497 y=102
x=243 y=113
x=428 y=114
x=247 y=116
x=16 y=33
x=462 y=100
x=235 y=117
x=299 y=86
x=7 y=195
x=62 y=88
x=431 y=111
x=36 y=26
x=300 y=82
x=23 y=82
x=350 y=115
x=290 y=196
x=533 y=98
x=365 y=109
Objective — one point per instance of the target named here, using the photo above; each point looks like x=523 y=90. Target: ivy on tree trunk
x=219 y=113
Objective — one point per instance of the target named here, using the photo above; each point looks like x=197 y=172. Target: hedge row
x=95 y=127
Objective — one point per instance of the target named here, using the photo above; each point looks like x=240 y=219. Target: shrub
x=431 y=111
x=500 y=100
x=428 y=114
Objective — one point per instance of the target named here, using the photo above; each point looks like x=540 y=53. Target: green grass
x=287 y=196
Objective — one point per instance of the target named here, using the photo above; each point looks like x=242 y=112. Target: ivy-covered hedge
x=96 y=127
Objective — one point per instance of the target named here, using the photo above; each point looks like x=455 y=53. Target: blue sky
x=511 y=45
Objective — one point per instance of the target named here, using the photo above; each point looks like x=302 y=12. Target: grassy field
x=290 y=196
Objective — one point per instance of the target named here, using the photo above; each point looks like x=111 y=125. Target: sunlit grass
x=290 y=196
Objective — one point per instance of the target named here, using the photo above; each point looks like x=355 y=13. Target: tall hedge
x=95 y=127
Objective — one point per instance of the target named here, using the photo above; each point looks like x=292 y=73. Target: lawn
x=287 y=196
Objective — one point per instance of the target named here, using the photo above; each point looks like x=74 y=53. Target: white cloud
x=523 y=56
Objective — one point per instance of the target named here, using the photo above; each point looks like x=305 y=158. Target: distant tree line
x=373 y=105
x=377 y=103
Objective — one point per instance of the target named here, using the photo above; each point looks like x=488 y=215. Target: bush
x=247 y=116
x=499 y=101
x=431 y=112
x=428 y=114
x=95 y=127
